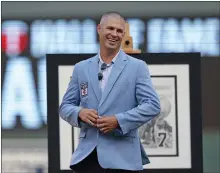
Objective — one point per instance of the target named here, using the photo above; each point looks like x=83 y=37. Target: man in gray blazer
x=109 y=97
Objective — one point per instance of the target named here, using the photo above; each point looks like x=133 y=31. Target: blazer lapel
x=117 y=68
x=93 y=77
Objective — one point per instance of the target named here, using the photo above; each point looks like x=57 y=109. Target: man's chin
x=111 y=47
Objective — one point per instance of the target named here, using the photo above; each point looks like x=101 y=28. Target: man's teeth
x=112 y=40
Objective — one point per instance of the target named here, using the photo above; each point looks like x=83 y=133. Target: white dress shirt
x=107 y=71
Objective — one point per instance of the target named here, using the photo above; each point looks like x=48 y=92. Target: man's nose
x=114 y=33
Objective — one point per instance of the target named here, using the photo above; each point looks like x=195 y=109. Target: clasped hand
x=104 y=123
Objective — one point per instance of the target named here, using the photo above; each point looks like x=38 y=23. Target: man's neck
x=107 y=56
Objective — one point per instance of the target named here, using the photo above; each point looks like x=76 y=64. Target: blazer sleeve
x=69 y=108
x=148 y=103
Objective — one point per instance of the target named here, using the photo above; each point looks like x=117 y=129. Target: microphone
x=100 y=76
x=103 y=67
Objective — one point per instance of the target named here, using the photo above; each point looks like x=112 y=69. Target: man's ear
x=124 y=33
x=98 y=28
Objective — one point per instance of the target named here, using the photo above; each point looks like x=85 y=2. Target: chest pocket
x=123 y=84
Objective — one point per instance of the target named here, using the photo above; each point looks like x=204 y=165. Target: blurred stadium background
x=32 y=29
